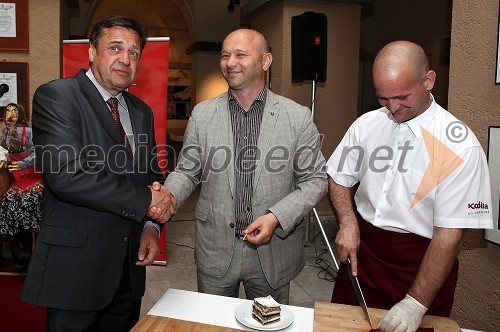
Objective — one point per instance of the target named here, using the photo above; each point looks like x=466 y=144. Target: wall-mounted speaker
x=309 y=43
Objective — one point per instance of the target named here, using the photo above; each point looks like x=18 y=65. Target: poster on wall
x=150 y=86
x=13 y=84
x=14 y=25
x=7 y=19
x=10 y=96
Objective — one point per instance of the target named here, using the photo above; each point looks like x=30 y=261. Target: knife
x=359 y=293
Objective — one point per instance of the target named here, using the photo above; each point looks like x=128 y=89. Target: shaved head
x=402 y=79
x=244 y=62
x=254 y=38
x=401 y=57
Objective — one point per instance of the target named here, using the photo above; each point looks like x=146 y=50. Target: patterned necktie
x=113 y=103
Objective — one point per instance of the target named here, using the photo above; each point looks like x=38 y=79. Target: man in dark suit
x=98 y=161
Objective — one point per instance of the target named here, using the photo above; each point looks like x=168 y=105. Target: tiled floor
x=180 y=271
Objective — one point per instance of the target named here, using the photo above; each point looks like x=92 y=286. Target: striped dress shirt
x=246 y=130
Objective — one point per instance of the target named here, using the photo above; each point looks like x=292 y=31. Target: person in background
x=95 y=145
x=21 y=206
x=422 y=179
x=4 y=186
x=257 y=156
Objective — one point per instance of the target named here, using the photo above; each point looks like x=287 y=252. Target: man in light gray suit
x=257 y=156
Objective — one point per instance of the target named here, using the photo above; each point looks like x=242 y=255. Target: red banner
x=150 y=86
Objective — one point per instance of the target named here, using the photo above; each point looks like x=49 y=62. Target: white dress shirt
x=428 y=171
x=122 y=109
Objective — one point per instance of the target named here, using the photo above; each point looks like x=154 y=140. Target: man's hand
x=14 y=166
x=163 y=204
x=262 y=229
x=405 y=315
x=148 y=247
x=347 y=242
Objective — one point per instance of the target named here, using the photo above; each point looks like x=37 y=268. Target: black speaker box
x=309 y=43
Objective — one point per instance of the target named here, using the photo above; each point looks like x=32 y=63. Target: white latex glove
x=404 y=316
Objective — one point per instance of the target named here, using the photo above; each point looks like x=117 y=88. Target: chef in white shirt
x=421 y=179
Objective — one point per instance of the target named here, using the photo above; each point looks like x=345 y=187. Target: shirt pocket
x=415 y=190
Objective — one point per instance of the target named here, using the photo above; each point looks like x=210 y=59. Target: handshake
x=163 y=204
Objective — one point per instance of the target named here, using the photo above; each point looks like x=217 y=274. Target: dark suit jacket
x=95 y=196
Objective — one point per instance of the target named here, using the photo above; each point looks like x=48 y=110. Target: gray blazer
x=289 y=180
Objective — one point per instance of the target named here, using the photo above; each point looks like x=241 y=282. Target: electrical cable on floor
x=180 y=245
x=327 y=272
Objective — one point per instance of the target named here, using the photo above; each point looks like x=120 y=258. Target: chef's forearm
x=437 y=264
x=341 y=199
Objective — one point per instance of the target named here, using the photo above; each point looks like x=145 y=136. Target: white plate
x=243 y=314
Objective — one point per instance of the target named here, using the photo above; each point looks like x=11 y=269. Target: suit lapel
x=98 y=105
x=137 y=121
x=269 y=118
x=226 y=137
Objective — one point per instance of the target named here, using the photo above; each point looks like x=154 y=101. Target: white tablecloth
x=218 y=310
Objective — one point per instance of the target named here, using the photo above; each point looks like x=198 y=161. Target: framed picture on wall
x=14 y=25
x=493 y=235
x=15 y=76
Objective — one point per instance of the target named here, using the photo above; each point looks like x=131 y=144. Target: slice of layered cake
x=266 y=310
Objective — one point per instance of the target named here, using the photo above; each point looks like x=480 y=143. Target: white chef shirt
x=400 y=189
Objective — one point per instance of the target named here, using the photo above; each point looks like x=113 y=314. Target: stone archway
x=162 y=19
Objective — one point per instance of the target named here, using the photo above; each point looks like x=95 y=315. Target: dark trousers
x=121 y=314
x=388 y=263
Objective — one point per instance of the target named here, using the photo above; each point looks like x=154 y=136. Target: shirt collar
x=261 y=98
x=104 y=94
x=423 y=119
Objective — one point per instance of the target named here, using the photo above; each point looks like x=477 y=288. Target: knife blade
x=359 y=293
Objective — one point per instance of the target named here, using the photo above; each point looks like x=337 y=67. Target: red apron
x=23 y=178
x=388 y=263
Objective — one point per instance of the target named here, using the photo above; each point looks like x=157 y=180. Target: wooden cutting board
x=346 y=318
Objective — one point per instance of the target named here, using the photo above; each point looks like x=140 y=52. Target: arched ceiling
x=162 y=18
x=184 y=21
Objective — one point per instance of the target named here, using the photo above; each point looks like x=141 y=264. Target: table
x=184 y=307
x=180 y=310
x=156 y=323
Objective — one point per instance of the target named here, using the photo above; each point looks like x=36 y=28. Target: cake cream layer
x=266 y=304
x=266 y=310
x=267 y=319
